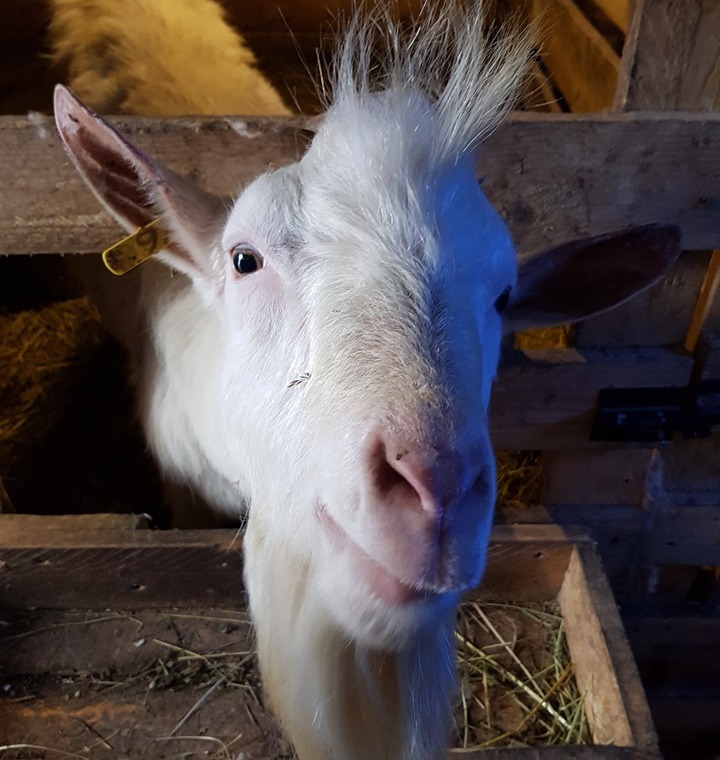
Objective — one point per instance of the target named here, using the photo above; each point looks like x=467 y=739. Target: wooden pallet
x=86 y=583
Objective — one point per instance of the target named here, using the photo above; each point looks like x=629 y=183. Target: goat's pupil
x=502 y=300
x=245 y=261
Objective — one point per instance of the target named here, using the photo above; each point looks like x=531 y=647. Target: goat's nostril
x=392 y=486
x=400 y=479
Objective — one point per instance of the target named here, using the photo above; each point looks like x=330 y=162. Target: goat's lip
x=380 y=581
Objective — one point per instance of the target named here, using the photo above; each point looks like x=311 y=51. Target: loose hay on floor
x=517 y=687
x=161 y=685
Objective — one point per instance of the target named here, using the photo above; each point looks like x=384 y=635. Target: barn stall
x=638 y=470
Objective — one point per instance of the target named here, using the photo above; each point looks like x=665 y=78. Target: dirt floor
x=184 y=684
x=149 y=685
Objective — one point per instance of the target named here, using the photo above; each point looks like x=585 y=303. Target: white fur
x=158 y=58
x=371 y=328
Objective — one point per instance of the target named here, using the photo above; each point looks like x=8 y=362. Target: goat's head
x=358 y=296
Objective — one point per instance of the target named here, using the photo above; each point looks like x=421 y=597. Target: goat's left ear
x=135 y=189
x=586 y=277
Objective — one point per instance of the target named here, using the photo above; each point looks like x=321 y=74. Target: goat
x=158 y=58
x=324 y=354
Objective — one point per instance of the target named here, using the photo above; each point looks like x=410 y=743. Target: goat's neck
x=337 y=700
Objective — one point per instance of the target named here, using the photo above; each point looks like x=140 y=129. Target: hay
x=519 y=479
x=36 y=346
x=544 y=337
x=517 y=687
x=69 y=439
x=516 y=678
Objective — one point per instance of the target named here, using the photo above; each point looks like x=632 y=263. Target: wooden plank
x=687 y=722
x=671 y=58
x=582 y=64
x=614 y=530
x=705 y=319
x=141 y=569
x=538 y=94
x=554 y=177
x=618 y=11
x=671 y=61
x=604 y=667
x=529 y=572
x=691 y=471
x=605 y=476
x=660 y=316
x=127 y=569
x=546 y=399
x=635 y=544
x=679 y=650
x=684 y=535
x=588 y=752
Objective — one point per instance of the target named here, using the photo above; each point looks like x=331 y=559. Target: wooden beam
x=597 y=477
x=691 y=474
x=671 y=58
x=618 y=11
x=538 y=94
x=579 y=59
x=604 y=669
x=660 y=316
x=671 y=61
x=634 y=542
x=547 y=399
x=679 y=649
x=706 y=313
x=554 y=177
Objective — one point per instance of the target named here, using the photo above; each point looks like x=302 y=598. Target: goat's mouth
x=381 y=583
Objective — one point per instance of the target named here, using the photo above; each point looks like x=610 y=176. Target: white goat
x=327 y=359
x=158 y=58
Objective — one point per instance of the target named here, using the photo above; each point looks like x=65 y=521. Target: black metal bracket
x=656 y=414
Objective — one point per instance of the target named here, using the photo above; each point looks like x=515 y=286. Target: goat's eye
x=503 y=300
x=246 y=260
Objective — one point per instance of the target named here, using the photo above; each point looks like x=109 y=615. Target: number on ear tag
x=136 y=248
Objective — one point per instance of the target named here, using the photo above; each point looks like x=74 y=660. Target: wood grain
x=604 y=667
x=671 y=59
x=39 y=555
x=604 y=476
x=583 y=65
x=68 y=563
x=546 y=399
x=635 y=542
x=618 y=11
x=660 y=316
x=554 y=177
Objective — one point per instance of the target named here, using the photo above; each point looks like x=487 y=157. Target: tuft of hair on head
x=470 y=72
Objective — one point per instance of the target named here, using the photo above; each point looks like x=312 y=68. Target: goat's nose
x=426 y=509
x=405 y=479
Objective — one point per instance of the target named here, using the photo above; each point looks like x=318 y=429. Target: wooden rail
x=554 y=177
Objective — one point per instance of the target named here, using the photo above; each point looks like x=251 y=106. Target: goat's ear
x=586 y=277
x=136 y=190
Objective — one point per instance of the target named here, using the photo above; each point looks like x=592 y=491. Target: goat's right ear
x=135 y=189
x=586 y=277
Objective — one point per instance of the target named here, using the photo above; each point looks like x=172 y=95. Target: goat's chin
x=378 y=613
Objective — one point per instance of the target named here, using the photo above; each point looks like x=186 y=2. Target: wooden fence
x=652 y=155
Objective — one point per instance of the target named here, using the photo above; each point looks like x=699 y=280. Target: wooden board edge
x=604 y=666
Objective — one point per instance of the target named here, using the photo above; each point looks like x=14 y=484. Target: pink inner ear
x=111 y=166
x=136 y=189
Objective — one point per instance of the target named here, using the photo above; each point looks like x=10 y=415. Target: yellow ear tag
x=136 y=248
